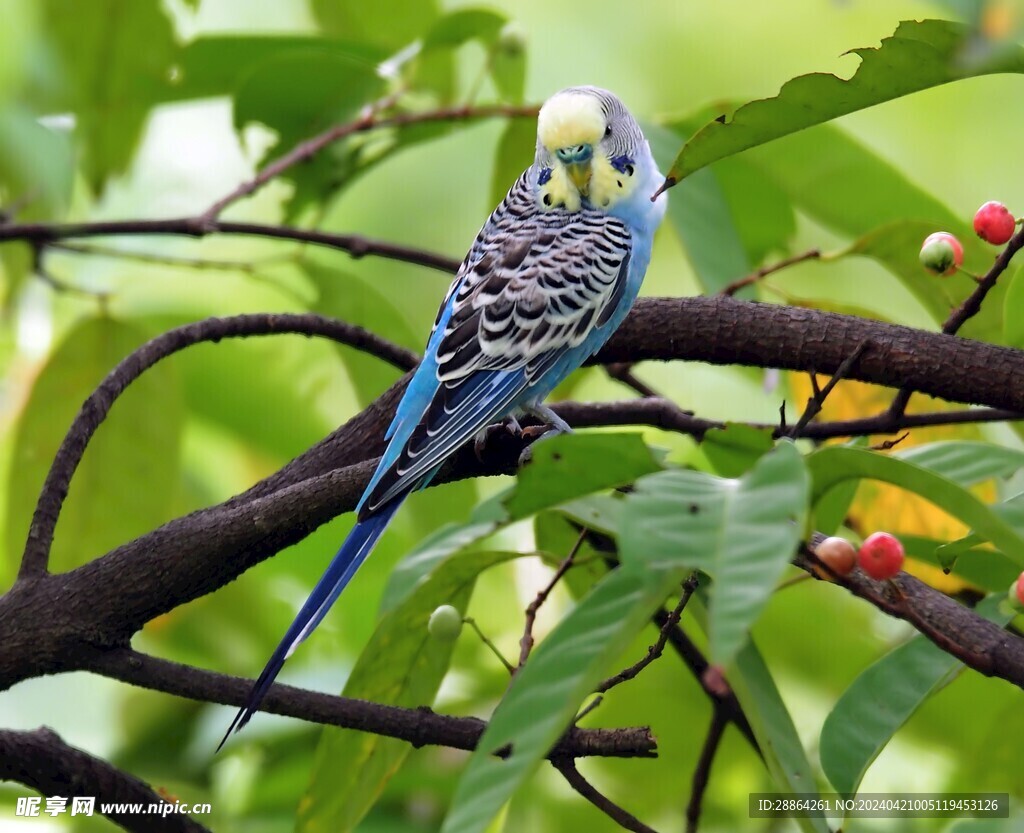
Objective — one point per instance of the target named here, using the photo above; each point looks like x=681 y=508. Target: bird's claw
x=510 y=425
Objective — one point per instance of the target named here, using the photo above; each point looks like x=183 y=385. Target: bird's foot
x=551 y=426
x=509 y=425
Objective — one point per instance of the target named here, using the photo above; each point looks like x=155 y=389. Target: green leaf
x=401 y=665
x=302 y=92
x=35 y=165
x=389 y=23
x=741 y=532
x=979 y=565
x=116 y=60
x=864 y=190
x=701 y=217
x=127 y=482
x=1013 y=309
x=506 y=60
x=830 y=512
x=966 y=463
x=547 y=692
x=882 y=699
x=832 y=466
x=216 y=65
x=571 y=465
x=734 y=449
x=773 y=727
x=513 y=156
x=919 y=55
x=350 y=297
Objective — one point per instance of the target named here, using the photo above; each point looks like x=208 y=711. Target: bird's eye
x=608 y=131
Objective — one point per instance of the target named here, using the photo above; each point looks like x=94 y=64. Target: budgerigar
x=548 y=279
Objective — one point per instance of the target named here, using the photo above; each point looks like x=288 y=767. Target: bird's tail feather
x=350 y=556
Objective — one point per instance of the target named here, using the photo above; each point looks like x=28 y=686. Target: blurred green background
x=211 y=421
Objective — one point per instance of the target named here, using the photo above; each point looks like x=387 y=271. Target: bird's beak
x=577 y=161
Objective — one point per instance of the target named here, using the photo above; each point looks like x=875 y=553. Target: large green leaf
x=547 y=692
x=389 y=23
x=701 y=216
x=742 y=532
x=832 y=466
x=116 y=58
x=216 y=65
x=882 y=699
x=506 y=62
x=571 y=465
x=128 y=478
x=966 y=463
x=919 y=55
x=513 y=156
x=402 y=665
x=773 y=727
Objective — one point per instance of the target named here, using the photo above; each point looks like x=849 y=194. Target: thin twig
x=367 y=121
x=967 y=310
x=655 y=650
x=765 y=271
x=815 y=403
x=99 y=403
x=355 y=244
x=622 y=817
x=170 y=260
x=623 y=372
x=469 y=620
x=702 y=771
x=526 y=642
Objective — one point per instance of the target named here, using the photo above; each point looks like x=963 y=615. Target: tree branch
x=97 y=406
x=419 y=726
x=967 y=310
x=575 y=779
x=42 y=761
x=42 y=234
x=369 y=120
x=702 y=772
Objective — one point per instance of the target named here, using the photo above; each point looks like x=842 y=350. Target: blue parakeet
x=549 y=278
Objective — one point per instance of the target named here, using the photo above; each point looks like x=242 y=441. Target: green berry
x=445 y=623
x=941 y=253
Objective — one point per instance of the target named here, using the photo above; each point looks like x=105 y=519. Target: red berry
x=881 y=555
x=941 y=253
x=1019 y=586
x=838 y=554
x=994 y=223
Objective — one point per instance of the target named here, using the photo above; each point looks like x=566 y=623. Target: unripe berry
x=994 y=223
x=838 y=554
x=881 y=555
x=941 y=253
x=1016 y=593
x=445 y=623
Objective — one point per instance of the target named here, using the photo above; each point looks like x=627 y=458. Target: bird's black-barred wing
x=534 y=285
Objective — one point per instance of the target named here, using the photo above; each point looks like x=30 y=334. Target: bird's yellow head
x=587 y=144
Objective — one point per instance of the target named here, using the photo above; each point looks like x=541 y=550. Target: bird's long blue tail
x=358 y=545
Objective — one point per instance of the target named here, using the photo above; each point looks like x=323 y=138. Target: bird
x=548 y=279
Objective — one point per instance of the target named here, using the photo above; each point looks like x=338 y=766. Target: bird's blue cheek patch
x=623 y=164
x=545 y=175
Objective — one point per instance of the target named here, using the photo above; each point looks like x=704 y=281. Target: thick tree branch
x=97 y=406
x=42 y=761
x=419 y=727
x=195 y=555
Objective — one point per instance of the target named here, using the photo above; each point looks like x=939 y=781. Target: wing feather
x=533 y=287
